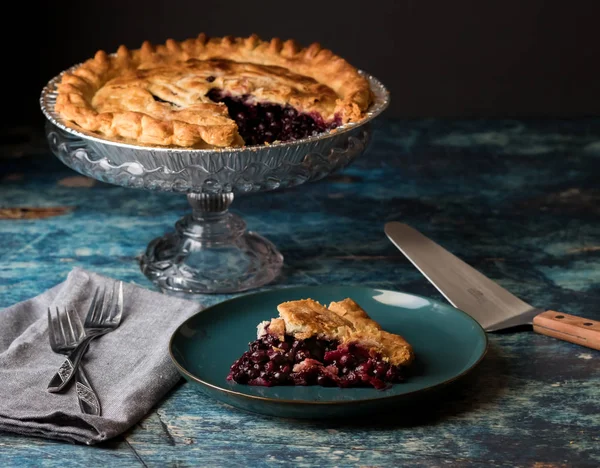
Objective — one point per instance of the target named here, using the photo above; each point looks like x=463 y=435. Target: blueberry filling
x=270 y=361
x=260 y=123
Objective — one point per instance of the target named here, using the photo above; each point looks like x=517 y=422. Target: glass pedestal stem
x=210 y=252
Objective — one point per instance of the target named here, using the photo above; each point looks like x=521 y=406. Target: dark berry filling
x=270 y=361
x=260 y=123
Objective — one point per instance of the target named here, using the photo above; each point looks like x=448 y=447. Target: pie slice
x=213 y=92
x=310 y=344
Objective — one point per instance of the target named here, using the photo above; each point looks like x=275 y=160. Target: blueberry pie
x=213 y=92
x=310 y=344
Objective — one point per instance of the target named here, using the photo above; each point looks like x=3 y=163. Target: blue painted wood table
x=519 y=200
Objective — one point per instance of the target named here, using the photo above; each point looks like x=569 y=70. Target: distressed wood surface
x=518 y=200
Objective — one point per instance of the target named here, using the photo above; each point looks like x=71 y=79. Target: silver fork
x=66 y=331
x=103 y=316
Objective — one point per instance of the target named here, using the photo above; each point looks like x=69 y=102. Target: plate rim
x=233 y=393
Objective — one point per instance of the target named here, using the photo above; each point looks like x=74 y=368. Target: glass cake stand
x=210 y=250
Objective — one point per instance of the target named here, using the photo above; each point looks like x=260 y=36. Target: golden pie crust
x=344 y=321
x=156 y=95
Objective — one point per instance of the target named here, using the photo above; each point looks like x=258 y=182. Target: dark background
x=528 y=58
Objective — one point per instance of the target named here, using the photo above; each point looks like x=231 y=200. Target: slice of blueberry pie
x=310 y=344
x=207 y=92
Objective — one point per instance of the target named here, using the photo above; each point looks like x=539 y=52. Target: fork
x=100 y=319
x=65 y=332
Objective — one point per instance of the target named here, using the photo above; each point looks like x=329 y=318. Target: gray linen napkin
x=130 y=367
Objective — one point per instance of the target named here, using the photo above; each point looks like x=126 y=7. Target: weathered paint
x=519 y=200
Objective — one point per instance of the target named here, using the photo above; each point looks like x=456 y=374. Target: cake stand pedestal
x=210 y=250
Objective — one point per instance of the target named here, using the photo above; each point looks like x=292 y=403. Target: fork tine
x=61 y=325
x=75 y=327
x=51 y=330
x=97 y=312
x=103 y=304
x=65 y=325
x=79 y=331
x=117 y=317
x=72 y=334
x=99 y=305
x=90 y=313
x=107 y=310
x=117 y=304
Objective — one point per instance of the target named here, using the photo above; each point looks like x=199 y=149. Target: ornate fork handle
x=68 y=369
x=87 y=398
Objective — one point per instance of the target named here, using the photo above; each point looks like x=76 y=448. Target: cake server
x=490 y=304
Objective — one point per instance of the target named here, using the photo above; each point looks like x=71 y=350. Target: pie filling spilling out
x=262 y=122
x=310 y=344
x=213 y=92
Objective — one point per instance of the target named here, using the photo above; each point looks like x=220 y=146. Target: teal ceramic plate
x=447 y=343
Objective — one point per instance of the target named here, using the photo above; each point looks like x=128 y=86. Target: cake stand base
x=210 y=252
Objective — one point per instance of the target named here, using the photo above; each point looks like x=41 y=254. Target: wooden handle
x=578 y=330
